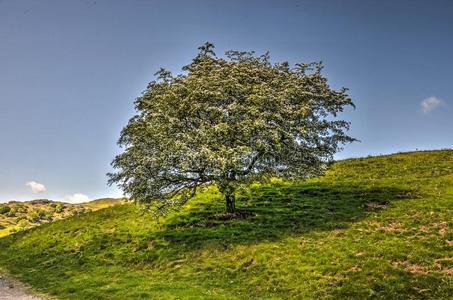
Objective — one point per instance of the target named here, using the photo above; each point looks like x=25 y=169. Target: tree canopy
x=229 y=121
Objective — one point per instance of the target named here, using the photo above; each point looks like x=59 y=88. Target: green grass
x=18 y=216
x=377 y=227
x=103 y=203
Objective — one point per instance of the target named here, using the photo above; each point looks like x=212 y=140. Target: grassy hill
x=17 y=216
x=376 y=227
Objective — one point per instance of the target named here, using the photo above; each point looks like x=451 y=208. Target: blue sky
x=70 y=71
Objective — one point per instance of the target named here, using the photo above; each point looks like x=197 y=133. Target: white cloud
x=76 y=198
x=430 y=103
x=36 y=187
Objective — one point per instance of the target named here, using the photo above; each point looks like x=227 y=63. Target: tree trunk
x=230 y=203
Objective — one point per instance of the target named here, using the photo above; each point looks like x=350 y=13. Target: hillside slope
x=17 y=216
x=377 y=227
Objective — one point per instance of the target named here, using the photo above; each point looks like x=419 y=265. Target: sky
x=70 y=71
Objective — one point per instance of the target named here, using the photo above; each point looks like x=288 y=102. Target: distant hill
x=17 y=215
x=371 y=228
x=103 y=203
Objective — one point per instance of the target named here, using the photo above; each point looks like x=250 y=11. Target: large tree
x=229 y=121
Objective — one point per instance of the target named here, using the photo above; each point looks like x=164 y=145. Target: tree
x=229 y=121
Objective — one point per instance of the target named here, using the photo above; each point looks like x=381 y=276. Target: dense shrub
x=4 y=209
